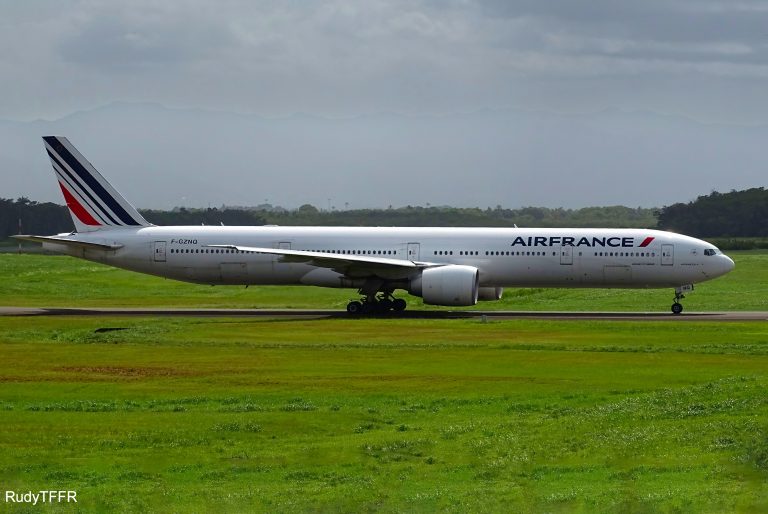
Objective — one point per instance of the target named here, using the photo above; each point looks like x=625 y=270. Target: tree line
x=737 y=214
x=432 y=216
x=51 y=218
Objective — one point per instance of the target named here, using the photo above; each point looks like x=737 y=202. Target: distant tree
x=735 y=214
x=50 y=218
x=308 y=209
x=36 y=218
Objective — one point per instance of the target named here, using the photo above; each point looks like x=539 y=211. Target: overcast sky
x=705 y=59
x=702 y=60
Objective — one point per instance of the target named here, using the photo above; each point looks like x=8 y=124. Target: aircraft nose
x=728 y=264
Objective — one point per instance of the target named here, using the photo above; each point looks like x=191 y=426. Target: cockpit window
x=710 y=251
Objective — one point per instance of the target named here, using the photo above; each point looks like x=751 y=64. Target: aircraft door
x=283 y=271
x=413 y=251
x=158 y=251
x=667 y=255
x=566 y=254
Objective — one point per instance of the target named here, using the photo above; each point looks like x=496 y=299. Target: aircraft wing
x=351 y=265
x=67 y=242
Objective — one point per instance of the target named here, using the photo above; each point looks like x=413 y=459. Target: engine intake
x=453 y=285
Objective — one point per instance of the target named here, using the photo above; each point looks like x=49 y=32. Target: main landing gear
x=677 y=307
x=376 y=304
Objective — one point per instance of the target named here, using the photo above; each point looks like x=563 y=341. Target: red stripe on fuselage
x=74 y=206
x=646 y=242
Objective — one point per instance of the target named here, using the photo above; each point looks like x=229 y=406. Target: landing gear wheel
x=376 y=299
x=355 y=308
x=398 y=305
x=677 y=307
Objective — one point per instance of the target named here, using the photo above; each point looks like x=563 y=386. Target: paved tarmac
x=415 y=314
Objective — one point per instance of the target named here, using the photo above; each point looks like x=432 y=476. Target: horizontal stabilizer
x=67 y=242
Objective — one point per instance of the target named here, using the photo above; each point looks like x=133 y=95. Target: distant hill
x=160 y=157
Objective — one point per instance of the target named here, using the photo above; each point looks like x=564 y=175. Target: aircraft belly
x=272 y=272
x=533 y=273
x=588 y=273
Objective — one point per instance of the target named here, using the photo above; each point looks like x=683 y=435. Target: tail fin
x=92 y=201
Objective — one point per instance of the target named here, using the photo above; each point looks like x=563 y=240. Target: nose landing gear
x=677 y=307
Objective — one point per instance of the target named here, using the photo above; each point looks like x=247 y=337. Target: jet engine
x=447 y=285
x=490 y=294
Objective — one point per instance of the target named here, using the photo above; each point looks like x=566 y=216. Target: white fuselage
x=505 y=257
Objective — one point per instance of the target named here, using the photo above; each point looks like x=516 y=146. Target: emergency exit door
x=413 y=251
x=158 y=251
x=667 y=255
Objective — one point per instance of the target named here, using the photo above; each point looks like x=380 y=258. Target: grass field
x=238 y=415
x=414 y=415
x=54 y=281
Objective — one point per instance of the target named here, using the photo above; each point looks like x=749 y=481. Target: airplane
x=443 y=266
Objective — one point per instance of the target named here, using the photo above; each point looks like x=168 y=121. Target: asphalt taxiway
x=414 y=314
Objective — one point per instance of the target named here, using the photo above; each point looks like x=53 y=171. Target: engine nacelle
x=447 y=285
x=490 y=294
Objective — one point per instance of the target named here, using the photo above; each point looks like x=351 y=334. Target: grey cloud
x=116 y=41
x=651 y=29
x=345 y=57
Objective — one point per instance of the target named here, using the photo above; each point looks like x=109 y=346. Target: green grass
x=233 y=415
x=54 y=281
x=408 y=415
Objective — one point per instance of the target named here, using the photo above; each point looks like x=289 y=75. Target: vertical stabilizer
x=92 y=201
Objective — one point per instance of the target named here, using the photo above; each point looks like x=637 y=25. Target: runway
x=414 y=314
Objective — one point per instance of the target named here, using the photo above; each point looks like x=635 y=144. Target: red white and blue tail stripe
x=92 y=201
